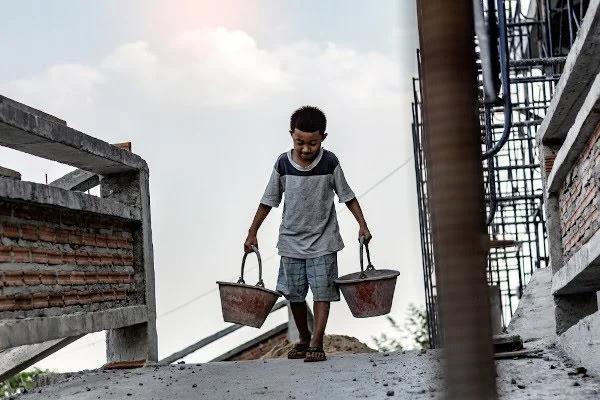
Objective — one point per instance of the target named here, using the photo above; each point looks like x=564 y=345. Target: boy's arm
x=261 y=214
x=363 y=230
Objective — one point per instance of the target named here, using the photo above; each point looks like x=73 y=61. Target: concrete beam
x=581 y=274
x=11 y=189
x=581 y=342
x=17 y=359
x=251 y=343
x=18 y=332
x=32 y=110
x=9 y=173
x=81 y=180
x=133 y=189
x=78 y=180
x=586 y=121
x=32 y=132
x=580 y=70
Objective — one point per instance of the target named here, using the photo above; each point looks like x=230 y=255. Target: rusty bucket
x=370 y=292
x=246 y=304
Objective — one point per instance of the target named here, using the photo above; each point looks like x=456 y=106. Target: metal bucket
x=370 y=292
x=246 y=304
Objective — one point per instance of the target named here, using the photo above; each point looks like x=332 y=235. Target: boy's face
x=307 y=144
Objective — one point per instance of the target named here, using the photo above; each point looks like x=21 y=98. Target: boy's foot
x=298 y=351
x=314 y=354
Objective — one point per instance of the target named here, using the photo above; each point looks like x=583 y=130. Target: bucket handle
x=370 y=266
x=260 y=280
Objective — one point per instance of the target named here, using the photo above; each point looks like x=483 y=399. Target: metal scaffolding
x=534 y=38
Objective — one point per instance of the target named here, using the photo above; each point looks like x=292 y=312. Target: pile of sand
x=331 y=344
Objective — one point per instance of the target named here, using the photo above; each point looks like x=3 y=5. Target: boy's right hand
x=250 y=241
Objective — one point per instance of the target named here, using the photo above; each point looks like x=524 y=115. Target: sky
x=204 y=90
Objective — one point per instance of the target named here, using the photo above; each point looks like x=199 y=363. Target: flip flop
x=297 y=352
x=318 y=354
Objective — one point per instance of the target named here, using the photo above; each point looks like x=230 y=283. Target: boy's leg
x=292 y=283
x=321 y=273
x=300 y=313
x=321 y=309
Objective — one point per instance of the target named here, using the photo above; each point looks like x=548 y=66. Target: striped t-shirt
x=309 y=226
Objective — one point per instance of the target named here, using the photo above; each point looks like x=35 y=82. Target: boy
x=309 y=237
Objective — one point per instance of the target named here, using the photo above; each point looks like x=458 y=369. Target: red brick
x=47 y=234
x=89 y=239
x=82 y=258
x=103 y=277
x=31 y=278
x=84 y=297
x=56 y=300
x=106 y=259
x=70 y=298
x=54 y=257
x=120 y=294
x=24 y=302
x=113 y=278
x=5 y=254
x=75 y=238
x=95 y=259
x=63 y=278
x=48 y=277
x=91 y=278
x=62 y=236
x=39 y=256
x=69 y=258
x=77 y=278
x=13 y=278
x=101 y=240
x=21 y=255
x=98 y=297
x=112 y=242
x=128 y=259
x=29 y=232
x=7 y=304
x=10 y=230
x=41 y=301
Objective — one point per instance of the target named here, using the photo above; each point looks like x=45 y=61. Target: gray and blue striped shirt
x=309 y=226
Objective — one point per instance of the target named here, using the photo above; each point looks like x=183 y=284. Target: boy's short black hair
x=308 y=119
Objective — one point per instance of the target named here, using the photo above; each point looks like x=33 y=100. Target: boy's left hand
x=364 y=231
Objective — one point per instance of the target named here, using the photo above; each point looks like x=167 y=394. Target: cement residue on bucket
x=331 y=344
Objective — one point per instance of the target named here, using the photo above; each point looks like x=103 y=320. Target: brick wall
x=55 y=261
x=578 y=198
x=260 y=349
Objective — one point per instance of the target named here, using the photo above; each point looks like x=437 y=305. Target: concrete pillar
x=137 y=342
x=496 y=309
x=569 y=309
x=555 y=245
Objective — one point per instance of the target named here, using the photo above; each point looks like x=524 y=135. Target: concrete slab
x=11 y=189
x=9 y=173
x=18 y=332
x=411 y=375
x=33 y=132
x=580 y=70
x=581 y=274
x=586 y=121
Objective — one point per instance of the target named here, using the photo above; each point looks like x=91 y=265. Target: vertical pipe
x=454 y=171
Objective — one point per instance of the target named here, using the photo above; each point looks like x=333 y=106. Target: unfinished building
x=72 y=263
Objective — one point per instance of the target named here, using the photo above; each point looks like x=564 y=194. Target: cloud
x=218 y=68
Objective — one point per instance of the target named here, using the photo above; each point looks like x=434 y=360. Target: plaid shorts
x=296 y=275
